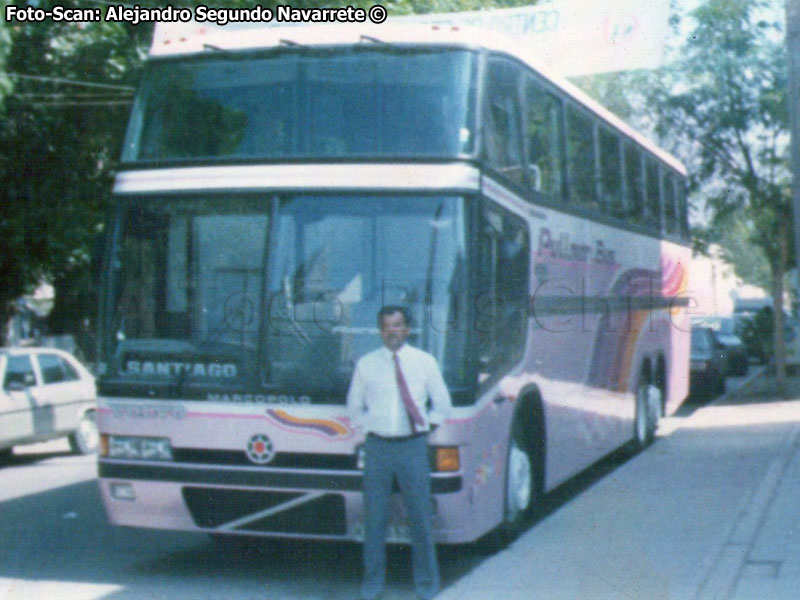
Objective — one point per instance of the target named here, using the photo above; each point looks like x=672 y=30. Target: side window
x=503 y=307
x=683 y=208
x=70 y=374
x=580 y=159
x=653 y=200
x=50 y=366
x=19 y=370
x=502 y=138
x=611 y=172
x=544 y=133
x=634 y=188
x=671 y=223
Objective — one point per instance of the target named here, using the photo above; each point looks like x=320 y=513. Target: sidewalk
x=768 y=554
x=710 y=512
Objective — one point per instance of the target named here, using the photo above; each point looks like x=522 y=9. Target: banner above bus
x=568 y=37
x=575 y=37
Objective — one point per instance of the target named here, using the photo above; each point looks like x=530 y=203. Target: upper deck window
x=503 y=143
x=388 y=102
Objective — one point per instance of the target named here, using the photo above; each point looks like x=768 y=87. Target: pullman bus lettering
x=172 y=369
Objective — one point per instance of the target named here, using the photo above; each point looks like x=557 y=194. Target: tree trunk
x=778 y=271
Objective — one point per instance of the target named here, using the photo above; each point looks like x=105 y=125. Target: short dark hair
x=391 y=309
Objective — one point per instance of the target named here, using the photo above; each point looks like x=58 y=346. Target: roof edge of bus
x=192 y=37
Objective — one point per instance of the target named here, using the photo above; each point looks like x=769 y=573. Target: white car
x=46 y=394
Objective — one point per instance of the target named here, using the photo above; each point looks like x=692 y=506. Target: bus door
x=501 y=328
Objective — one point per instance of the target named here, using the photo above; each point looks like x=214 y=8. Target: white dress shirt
x=374 y=398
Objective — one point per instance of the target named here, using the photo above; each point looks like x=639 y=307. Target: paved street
x=708 y=512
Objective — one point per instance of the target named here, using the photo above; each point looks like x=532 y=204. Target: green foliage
x=58 y=144
x=623 y=93
x=5 y=50
x=724 y=102
x=757 y=334
x=737 y=238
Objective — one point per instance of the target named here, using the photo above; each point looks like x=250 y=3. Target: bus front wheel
x=519 y=489
x=522 y=486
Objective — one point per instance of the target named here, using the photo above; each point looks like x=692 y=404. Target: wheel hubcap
x=519 y=481
x=87 y=431
x=641 y=414
x=648 y=410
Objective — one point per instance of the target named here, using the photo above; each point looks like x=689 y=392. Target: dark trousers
x=407 y=462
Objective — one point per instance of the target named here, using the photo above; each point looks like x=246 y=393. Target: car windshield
x=282 y=293
x=362 y=101
x=720 y=325
x=727 y=326
x=701 y=340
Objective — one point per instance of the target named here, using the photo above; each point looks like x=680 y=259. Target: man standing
x=397 y=396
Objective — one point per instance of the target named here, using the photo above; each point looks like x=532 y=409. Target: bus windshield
x=326 y=103
x=280 y=294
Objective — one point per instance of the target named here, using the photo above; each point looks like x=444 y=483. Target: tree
x=735 y=236
x=5 y=47
x=724 y=102
x=60 y=132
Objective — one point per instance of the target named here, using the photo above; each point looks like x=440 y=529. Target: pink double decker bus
x=278 y=186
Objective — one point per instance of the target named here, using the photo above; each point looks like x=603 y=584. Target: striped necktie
x=415 y=419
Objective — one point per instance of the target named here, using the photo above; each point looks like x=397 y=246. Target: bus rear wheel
x=648 y=412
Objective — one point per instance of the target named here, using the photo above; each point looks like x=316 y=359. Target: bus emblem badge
x=260 y=449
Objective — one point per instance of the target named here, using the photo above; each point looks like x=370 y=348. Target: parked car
x=725 y=330
x=707 y=366
x=47 y=394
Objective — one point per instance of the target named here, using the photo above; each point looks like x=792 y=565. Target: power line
x=81 y=104
x=71 y=94
x=62 y=96
x=63 y=81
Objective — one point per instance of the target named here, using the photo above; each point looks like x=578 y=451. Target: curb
x=759 y=371
x=722 y=578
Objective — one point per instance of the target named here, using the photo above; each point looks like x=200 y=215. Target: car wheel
x=741 y=368
x=85 y=439
x=721 y=384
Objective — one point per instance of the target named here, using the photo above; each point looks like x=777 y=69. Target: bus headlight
x=138 y=448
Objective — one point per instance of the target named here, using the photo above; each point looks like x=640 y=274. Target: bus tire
x=648 y=410
x=523 y=481
x=520 y=497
